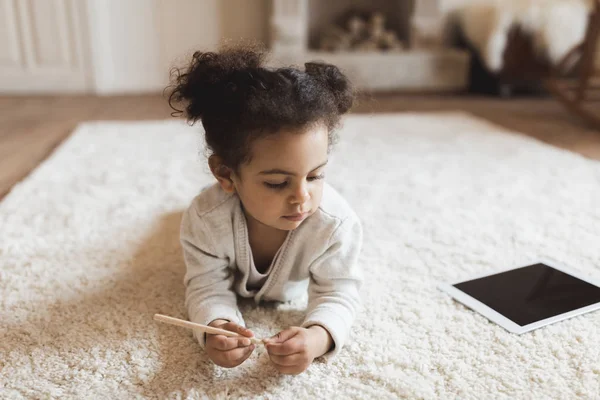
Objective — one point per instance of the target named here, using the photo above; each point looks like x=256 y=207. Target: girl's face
x=283 y=183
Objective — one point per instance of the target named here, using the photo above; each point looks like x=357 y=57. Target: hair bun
x=334 y=80
x=210 y=77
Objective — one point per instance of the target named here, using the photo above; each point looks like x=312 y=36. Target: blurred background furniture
x=514 y=45
x=581 y=93
x=522 y=69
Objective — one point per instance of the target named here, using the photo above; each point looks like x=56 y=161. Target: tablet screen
x=533 y=293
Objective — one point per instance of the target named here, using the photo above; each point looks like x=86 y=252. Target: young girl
x=270 y=228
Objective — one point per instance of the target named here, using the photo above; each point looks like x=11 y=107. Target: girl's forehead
x=291 y=149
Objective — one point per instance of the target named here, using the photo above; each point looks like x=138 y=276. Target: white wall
x=114 y=46
x=43 y=46
x=134 y=43
x=124 y=49
x=190 y=25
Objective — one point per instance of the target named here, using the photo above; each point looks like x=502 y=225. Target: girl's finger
x=230 y=326
x=288 y=361
x=238 y=354
x=222 y=342
x=243 y=342
x=292 y=346
x=295 y=370
x=249 y=351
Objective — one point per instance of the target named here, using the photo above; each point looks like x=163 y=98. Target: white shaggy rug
x=89 y=252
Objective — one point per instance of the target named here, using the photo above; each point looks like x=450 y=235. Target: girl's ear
x=223 y=173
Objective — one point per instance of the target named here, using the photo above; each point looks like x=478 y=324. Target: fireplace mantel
x=414 y=69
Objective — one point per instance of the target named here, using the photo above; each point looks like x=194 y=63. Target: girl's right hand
x=227 y=351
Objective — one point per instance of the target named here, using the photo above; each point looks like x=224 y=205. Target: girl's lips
x=296 y=217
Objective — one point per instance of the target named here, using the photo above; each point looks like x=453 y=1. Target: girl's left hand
x=294 y=349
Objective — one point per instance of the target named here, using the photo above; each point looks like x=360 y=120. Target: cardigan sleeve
x=335 y=281
x=208 y=279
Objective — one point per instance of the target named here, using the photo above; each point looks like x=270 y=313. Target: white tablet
x=528 y=297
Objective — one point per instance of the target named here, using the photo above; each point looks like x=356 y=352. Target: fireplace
x=380 y=44
x=359 y=17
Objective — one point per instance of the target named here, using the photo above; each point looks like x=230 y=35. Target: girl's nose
x=300 y=195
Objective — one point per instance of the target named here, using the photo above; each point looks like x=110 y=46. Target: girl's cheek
x=267 y=197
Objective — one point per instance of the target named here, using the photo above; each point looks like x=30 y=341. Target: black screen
x=533 y=293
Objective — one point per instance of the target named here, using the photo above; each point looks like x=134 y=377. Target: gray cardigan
x=319 y=256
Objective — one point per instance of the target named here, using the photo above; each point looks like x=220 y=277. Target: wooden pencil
x=202 y=328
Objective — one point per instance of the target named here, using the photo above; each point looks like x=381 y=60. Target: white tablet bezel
x=506 y=323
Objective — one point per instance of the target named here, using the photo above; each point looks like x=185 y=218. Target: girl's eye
x=276 y=185
x=282 y=185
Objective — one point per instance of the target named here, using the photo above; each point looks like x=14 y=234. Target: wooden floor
x=31 y=127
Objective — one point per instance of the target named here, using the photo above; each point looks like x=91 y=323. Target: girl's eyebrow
x=277 y=171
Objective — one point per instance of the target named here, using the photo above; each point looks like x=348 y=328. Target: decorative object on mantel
x=361 y=34
x=427 y=25
x=383 y=62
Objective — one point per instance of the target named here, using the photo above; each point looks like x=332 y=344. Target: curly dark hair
x=239 y=100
